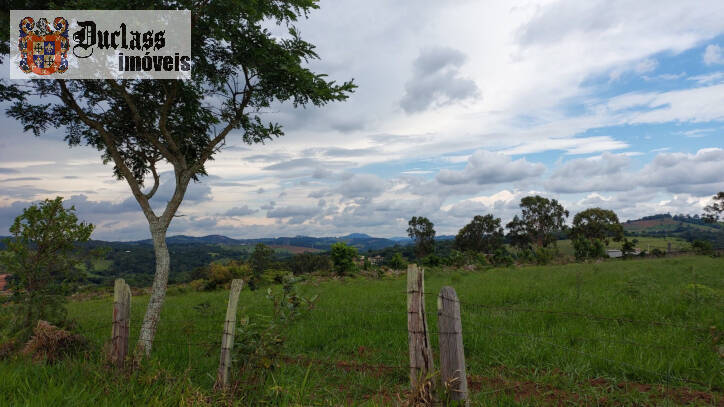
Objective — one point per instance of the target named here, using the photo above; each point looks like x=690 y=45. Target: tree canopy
x=482 y=234
x=597 y=223
x=715 y=210
x=540 y=218
x=422 y=231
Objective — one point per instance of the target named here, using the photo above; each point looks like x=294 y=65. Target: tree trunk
x=158 y=292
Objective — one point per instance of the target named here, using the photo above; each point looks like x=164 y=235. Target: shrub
x=42 y=259
x=702 y=247
x=432 y=260
x=343 y=257
x=588 y=248
x=260 y=343
x=52 y=344
x=260 y=260
x=545 y=255
x=396 y=262
x=501 y=257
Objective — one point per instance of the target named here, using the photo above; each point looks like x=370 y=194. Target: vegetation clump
x=42 y=258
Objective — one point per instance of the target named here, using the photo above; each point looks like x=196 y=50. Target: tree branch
x=239 y=112
x=156 y=181
x=67 y=97
x=139 y=122
x=163 y=119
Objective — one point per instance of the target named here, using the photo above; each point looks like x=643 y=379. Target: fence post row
x=227 y=341
x=421 y=363
x=121 y=322
x=452 y=355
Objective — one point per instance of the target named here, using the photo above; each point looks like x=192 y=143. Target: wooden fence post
x=452 y=355
x=421 y=362
x=121 y=322
x=227 y=341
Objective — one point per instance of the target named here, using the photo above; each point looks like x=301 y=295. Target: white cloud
x=713 y=55
x=485 y=167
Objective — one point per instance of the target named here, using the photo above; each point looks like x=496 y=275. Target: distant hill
x=687 y=227
x=361 y=241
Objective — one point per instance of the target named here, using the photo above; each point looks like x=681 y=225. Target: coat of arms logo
x=43 y=48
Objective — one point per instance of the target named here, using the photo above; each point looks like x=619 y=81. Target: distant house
x=376 y=260
x=614 y=253
x=3 y=281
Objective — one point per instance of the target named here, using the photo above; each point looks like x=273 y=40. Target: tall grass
x=652 y=325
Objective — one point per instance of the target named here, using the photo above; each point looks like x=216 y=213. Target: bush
x=588 y=248
x=396 y=262
x=41 y=256
x=702 y=247
x=305 y=263
x=545 y=255
x=343 y=257
x=432 y=260
x=260 y=343
x=656 y=252
x=52 y=344
x=501 y=257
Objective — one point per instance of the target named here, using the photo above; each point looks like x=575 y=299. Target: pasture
x=611 y=333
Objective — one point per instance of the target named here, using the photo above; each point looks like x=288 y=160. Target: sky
x=463 y=108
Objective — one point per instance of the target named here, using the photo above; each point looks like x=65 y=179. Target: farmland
x=613 y=332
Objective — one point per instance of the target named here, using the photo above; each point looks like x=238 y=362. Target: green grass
x=352 y=348
x=644 y=243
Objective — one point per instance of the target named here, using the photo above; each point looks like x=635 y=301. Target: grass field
x=612 y=333
x=644 y=243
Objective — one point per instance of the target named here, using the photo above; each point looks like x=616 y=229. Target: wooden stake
x=121 y=322
x=227 y=341
x=452 y=355
x=421 y=363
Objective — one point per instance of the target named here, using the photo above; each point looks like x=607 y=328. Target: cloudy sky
x=463 y=108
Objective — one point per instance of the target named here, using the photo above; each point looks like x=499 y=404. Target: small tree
x=422 y=232
x=592 y=230
x=628 y=247
x=343 y=257
x=540 y=218
x=260 y=260
x=482 y=234
x=714 y=211
x=397 y=262
x=40 y=256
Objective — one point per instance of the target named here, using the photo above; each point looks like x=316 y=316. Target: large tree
x=715 y=210
x=239 y=70
x=597 y=223
x=422 y=231
x=482 y=234
x=592 y=230
x=540 y=218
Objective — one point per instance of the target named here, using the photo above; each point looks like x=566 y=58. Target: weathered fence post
x=421 y=362
x=452 y=355
x=227 y=341
x=121 y=322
